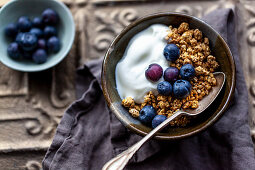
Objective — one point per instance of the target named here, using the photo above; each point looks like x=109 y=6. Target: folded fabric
x=89 y=134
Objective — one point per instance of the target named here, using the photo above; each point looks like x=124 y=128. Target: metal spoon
x=120 y=161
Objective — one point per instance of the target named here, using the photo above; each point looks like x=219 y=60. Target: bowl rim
x=66 y=51
x=133 y=128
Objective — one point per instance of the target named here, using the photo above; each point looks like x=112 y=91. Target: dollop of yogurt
x=144 y=48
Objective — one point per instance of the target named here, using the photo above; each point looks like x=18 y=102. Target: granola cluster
x=195 y=50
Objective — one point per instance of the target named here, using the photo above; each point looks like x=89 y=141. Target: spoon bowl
x=207 y=100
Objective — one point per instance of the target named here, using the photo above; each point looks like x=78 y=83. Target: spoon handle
x=120 y=161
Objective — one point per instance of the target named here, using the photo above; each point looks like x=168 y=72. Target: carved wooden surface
x=31 y=104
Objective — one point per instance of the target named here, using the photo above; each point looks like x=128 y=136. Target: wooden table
x=32 y=104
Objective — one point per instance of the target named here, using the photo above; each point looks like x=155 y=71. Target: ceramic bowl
x=33 y=8
x=219 y=49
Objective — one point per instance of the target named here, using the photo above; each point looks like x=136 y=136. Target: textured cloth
x=89 y=134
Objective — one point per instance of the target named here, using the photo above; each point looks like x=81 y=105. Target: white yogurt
x=144 y=48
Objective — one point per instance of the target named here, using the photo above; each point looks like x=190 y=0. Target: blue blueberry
x=171 y=74
x=41 y=44
x=147 y=113
x=53 y=44
x=171 y=52
x=37 y=32
x=24 y=24
x=18 y=38
x=11 y=30
x=37 y=22
x=14 y=51
x=28 y=41
x=164 y=88
x=40 y=56
x=49 y=31
x=187 y=72
x=50 y=17
x=157 y=120
x=181 y=89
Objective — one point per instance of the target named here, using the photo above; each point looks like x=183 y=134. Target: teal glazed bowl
x=219 y=49
x=33 y=8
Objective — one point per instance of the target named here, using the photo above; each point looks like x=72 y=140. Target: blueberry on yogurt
x=154 y=72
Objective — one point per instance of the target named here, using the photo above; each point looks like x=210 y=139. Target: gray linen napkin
x=89 y=134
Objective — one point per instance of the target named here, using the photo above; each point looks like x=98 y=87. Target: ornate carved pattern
x=250 y=25
x=81 y=34
x=199 y=10
x=62 y=87
x=110 y=25
x=250 y=37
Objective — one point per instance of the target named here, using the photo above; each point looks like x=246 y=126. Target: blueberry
x=157 y=120
x=50 y=17
x=49 y=31
x=187 y=72
x=37 y=22
x=37 y=32
x=24 y=24
x=164 y=88
x=181 y=89
x=41 y=44
x=171 y=52
x=154 y=72
x=40 y=56
x=171 y=74
x=18 y=37
x=53 y=44
x=147 y=113
x=14 y=51
x=11 y=30
x=28 y=41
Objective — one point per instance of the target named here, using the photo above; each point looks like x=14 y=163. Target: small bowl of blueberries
x=35 y=35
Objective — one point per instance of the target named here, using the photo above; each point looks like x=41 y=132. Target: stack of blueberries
x=179 y=88
x=34 y=40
